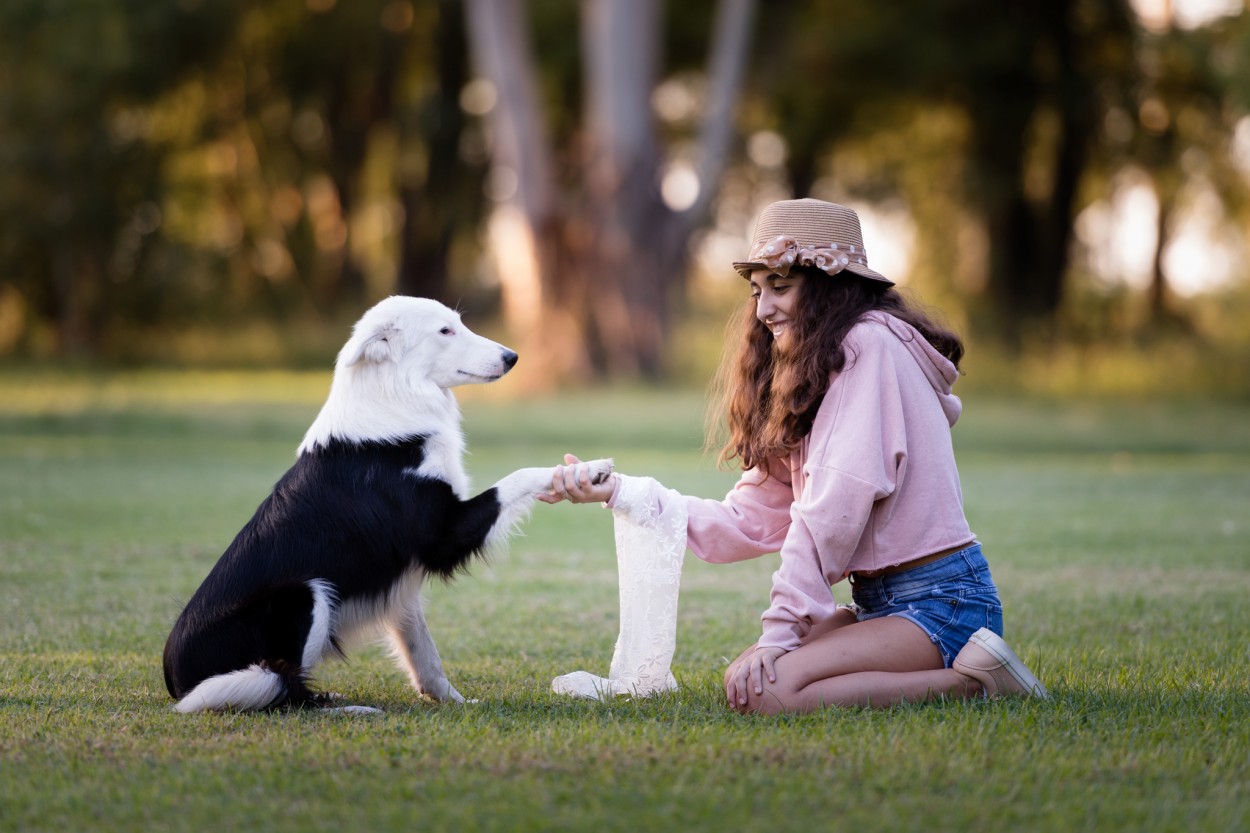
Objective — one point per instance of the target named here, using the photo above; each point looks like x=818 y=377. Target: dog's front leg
x=517 y=492
x=415 y=650
x=524 y=485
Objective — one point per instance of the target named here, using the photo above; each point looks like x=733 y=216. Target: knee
x=775 y=699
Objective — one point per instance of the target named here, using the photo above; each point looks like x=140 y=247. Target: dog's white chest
x=444 y=460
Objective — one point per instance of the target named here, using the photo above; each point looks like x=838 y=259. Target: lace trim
x=650 y=530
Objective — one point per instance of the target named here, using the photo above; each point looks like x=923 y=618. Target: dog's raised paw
x=599 y=470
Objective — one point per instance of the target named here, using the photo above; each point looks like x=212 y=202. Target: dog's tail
x=251 y=689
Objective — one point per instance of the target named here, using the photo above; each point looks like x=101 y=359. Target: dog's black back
x=355 y=515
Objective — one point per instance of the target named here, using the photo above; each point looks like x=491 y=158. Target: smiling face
x=776 y=298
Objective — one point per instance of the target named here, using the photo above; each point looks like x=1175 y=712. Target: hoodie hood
x=939 y=370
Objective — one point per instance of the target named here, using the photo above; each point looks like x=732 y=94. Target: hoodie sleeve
x=856 y=454
x=752 y=519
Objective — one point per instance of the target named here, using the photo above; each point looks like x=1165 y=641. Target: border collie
x=377 y=500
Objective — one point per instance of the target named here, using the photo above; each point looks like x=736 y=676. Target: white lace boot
x=650 y=526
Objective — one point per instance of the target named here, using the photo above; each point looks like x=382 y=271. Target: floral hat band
x=782 y=252
x=811 y=233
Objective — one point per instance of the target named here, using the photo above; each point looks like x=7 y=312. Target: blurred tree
x=439 y=184
x=595 y=268
x=80 y=182
x=288 y=159
x=336 y=94
x=1182 y=134
x=198 y=160
x=1025 y=77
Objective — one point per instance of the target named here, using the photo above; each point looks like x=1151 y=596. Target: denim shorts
x=949 y=599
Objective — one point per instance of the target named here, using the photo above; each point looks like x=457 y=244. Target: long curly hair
x=766 y=392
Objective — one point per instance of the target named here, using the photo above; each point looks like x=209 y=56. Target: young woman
x=839 y=410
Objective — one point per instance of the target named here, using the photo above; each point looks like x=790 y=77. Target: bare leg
x=840 y=619
x=878 y=663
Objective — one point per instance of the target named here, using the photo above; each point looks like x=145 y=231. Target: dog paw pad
x=599 y=470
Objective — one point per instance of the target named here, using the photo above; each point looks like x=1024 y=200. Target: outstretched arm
x=487 y=519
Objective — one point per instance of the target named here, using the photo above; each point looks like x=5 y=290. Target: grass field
x=1119 y=536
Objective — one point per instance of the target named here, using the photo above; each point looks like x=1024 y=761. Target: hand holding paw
x=581 y=482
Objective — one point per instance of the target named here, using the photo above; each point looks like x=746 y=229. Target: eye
x=446 y=331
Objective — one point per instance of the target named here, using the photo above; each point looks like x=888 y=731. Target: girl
x=839 y=410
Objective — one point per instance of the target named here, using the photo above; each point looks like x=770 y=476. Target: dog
x=376 y=501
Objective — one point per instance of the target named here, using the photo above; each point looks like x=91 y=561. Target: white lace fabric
x=650 y=531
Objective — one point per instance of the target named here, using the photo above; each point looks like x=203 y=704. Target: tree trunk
x=611 y=258
x=998 y=147
x=629 y=303
x=1157 y=294
x=433 y=203
x=351 y=116
x=540 y=299
x=1030 y=235
x=1078 y=117
x=76 y=274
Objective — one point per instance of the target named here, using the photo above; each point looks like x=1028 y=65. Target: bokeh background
x=199 y=197
x=229 y=183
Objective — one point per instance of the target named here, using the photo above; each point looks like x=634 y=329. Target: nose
x=509 y=358
x=764 y=306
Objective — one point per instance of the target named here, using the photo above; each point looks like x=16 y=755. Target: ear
x=375 y=347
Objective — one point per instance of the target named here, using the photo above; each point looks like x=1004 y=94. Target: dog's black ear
x=375 y=347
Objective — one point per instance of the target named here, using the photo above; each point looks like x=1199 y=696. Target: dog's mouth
x=478 y=377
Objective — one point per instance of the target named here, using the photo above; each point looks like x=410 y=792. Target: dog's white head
x=393 y=376
x=422 y=341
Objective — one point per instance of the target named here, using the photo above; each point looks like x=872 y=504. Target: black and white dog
x=377 y=499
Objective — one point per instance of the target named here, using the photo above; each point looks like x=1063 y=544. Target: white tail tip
x=251 y=689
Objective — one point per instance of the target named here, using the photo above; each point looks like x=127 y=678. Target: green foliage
x=229 y=181
x=167 y=164
x=80 y=184
x=1016 y=89
x=1117 y=535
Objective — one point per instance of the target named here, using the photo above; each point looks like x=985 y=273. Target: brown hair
x=768 y=394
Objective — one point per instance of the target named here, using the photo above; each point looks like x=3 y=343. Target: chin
x=784 y=342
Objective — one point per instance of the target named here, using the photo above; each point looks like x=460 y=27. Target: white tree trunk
x=726 y=67
x=502 y=55
x=523 y=231
x=609 y=259
x=629 y=304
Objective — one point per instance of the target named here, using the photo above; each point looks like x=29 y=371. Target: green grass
x=1119 y=537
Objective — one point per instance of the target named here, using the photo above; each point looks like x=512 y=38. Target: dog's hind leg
x=249 y=689
x=321 y=630
x=415 y=651
x=254 y=657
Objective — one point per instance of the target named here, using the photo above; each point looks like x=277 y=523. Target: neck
x=366 y=405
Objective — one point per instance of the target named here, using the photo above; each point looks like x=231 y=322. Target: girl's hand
x=747 y=673
x=572 y=482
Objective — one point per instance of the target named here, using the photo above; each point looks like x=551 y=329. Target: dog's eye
x=446 y=331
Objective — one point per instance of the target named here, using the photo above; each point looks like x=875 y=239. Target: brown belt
x=908 y=565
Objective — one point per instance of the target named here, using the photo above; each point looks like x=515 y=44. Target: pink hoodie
x=873 y=484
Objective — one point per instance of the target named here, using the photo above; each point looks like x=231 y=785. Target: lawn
x=1119 y=535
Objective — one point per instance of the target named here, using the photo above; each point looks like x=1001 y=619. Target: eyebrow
x=770 y=277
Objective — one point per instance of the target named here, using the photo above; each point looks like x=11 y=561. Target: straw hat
x=808 y=232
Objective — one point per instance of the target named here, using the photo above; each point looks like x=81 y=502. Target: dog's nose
x=509 y=358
